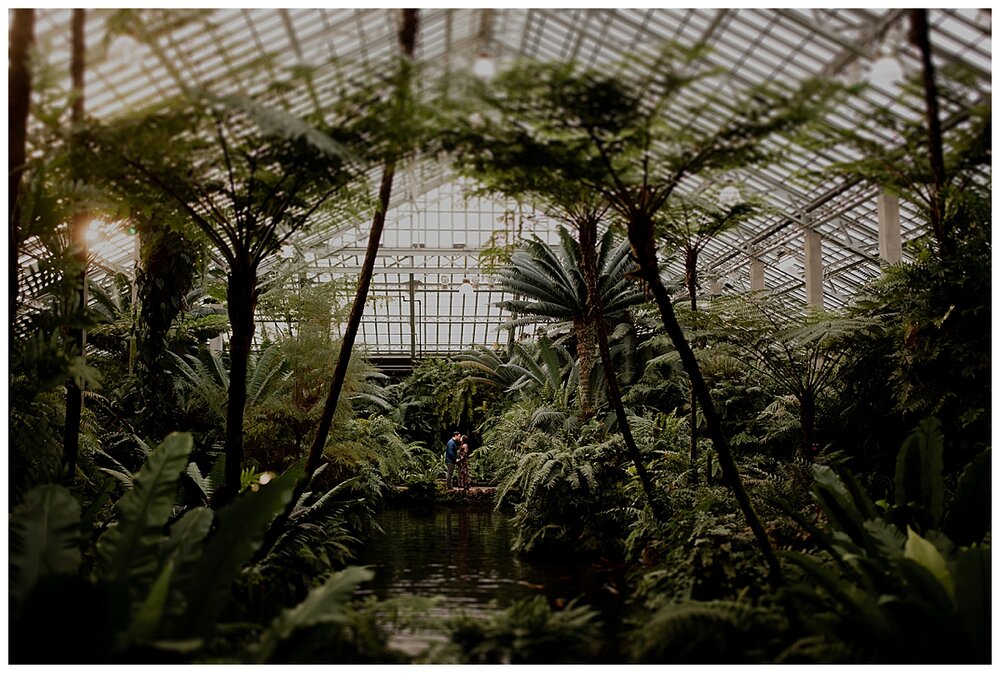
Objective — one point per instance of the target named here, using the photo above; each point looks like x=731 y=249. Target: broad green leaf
x=824 y=474
x=972 y=597
x=183 y=548
x=919 y=468
x=856 y=603
x=969 y=517
x=324 y=604
x=926 y=554
x=44 y=538
x=843 y=517
x=861 y=501
x=147 y=617
x=240 y=531
x=924 y=591
x=187 y=535
x=90 y=514
x=868 y=573
x=128 y=551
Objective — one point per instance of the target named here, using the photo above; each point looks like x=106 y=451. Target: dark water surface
x=463 y=555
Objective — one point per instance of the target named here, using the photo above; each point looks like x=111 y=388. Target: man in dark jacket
x=450 y=455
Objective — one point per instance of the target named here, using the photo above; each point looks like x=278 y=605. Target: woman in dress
x=463 y=464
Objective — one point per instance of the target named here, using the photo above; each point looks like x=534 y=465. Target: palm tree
x=550 y=281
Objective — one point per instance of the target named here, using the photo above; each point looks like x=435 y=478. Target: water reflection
x=463 y=556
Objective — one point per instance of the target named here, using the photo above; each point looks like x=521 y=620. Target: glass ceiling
x=430 y=293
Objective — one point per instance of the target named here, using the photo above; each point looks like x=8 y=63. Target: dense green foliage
x=861 y=436
x=154 y=584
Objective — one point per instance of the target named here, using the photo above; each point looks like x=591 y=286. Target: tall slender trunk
x=595 y=307
x=640 y=233
x=691 y=279
x=241 y=298
x=920 y=36
x=407 y=41
x=22 y=34
x=78 y=243
x=353 y=321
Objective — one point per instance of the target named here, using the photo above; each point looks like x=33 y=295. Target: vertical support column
x=756 y=273
x=413 y=321
x=814 y=268
x=890 y=240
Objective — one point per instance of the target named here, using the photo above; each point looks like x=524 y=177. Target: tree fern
x=799 y=350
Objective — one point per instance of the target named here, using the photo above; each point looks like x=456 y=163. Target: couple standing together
x=457 y=451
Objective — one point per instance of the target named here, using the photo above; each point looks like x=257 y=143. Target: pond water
x=462 y=555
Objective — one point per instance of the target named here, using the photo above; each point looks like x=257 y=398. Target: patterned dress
x=463 y=467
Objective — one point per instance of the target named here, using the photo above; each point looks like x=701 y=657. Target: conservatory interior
x=332 y=331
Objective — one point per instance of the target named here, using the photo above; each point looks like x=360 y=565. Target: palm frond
x=264 y=368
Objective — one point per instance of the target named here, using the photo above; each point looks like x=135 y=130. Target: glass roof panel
x=246 y=50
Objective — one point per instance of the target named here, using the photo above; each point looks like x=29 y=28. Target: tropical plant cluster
x=779 y=483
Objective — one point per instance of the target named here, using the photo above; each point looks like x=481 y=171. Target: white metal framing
x=245 y=50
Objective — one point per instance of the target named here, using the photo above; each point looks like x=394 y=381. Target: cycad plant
x=206 y=378
x=592 y=289
x=548 y=283
x=546 y=371
x=488 y=367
